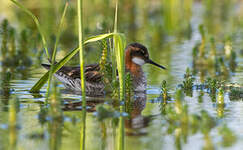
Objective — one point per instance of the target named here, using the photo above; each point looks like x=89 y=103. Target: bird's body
x=136 y=56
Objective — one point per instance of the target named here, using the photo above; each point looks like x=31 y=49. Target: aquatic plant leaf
x=53 y=58
x=43 y=80
x=98 y=37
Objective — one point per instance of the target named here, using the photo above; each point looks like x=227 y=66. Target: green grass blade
x=115 y=21
x=82 y=78
x=113 y=53
x=37 y=24
x=119 y=44
x=40 y=83
x=55 y=48
x=44 y=78
x=98 y=37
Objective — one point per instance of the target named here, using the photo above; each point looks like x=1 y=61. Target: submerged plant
x=232 y=61
x=213 y=85
x=203 y=42
x=195 y=52
x=4 y=33
x=220 y=97
x=164 y=96
x=24 y=59
x=178 y=101
x=228 y=136
x=207 y=123
x=13 y=109
x=55 y=103
x=223 y=69
x=55 y=113
x=8 y=46
x=228 y=50
x=236 y=93
x=164 y=92
x=188 y=83
x=12 y=46
x=105 y=111
x=200 y=96
x=212 y=55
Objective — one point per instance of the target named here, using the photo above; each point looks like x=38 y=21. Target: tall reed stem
x=53 y=59
x=82 y=78
x=119 y=45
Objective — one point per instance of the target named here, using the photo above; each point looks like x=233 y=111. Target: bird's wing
x=91 y=72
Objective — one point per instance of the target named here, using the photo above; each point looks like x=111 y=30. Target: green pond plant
x=13 y=110
x=203 y=41
x=220 y=102
x=228 y=136
x=188 y=83
x=164 y=96
x=220 y=97
x=4 y=33
x=119 y=45
x=82 y=77
x=53 y=58
x=164 y=91
x=56 y=115
x=212 y=54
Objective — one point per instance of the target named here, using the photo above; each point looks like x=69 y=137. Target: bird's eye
x=141 y=52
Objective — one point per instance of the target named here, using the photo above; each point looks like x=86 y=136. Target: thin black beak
x=153 y=63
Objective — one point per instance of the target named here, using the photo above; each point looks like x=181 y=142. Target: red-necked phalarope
x=136 y=56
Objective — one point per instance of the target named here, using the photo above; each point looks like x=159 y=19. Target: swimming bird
x=136 y=55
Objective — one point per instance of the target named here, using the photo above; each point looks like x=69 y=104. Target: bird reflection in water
x=135 y=122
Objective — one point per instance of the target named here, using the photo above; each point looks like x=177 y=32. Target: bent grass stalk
x=37 y=24
x=57 y=66
x=53 y=59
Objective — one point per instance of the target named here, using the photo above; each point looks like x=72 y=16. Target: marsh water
x=170 y=31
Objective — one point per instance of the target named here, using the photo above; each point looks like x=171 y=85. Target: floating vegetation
x=236 y=93
x=181 y=124
x=207 y=57
x=228 y=136
x=188 y=83
x=203 y=42
x=212 y=62
x=14 y=51
x=164 y=96
x=220 y=97
x=106 y=111
x=164 y=92
x=13 y=122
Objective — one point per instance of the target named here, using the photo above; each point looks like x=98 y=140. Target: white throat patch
x=138 y=61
